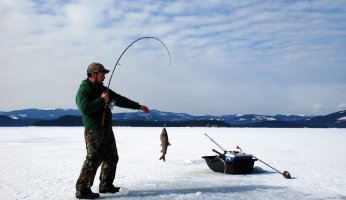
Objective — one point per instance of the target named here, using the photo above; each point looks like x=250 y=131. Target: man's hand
x=105 y=96
x=144 y=109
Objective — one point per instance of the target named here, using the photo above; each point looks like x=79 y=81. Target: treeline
x=77 y=121
x=334 y=120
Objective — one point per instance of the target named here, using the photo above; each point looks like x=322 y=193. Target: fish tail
x=163 y=158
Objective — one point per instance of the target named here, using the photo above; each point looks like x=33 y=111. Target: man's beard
x=100 y=83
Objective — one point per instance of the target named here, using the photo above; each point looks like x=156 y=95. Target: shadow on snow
x=185 y=191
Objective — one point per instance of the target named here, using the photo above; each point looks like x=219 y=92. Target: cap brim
x=106 y=71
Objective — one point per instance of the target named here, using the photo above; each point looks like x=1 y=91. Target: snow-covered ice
x=44 y=163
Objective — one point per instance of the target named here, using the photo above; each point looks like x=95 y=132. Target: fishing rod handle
x=220 y=154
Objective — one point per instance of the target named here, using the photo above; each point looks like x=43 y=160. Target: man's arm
x=124 y=102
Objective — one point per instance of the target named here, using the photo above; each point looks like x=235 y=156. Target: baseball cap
x=96 y=68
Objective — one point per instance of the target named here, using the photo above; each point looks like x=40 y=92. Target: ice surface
x=44 y=163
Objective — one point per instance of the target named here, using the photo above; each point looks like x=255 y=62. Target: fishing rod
x=223 y=149
x=286 y=174
x=117 y=63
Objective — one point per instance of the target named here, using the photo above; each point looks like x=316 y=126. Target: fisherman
x=92 y=100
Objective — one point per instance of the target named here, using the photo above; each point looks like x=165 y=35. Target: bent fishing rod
x=130 y=45
x=117 y=63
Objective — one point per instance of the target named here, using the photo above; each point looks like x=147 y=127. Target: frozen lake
x=44 y=163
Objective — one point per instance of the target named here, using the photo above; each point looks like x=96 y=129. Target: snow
x=44 y=163
x=342 y=119
x=14 y=117
x=23 y=115
x=271 y=119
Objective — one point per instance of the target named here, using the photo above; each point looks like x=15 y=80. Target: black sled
x=235 y=163
x=230 y=162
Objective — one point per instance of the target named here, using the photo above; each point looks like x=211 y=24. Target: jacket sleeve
x=87 y=106
x=123 y=101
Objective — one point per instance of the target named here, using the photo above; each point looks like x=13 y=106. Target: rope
x=225 y=165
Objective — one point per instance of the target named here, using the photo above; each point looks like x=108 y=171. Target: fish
x=164 y=144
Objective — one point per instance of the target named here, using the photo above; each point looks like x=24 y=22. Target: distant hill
x=156 y=115
x=8 y=121
x=70 y=117
x=40 y=114
x=334 y=120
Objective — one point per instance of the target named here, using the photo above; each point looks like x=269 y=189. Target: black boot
x=108 y=189
x=86 y=193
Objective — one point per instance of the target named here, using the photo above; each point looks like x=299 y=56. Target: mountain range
x=72 y=117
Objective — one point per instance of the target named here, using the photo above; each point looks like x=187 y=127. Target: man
x=92 y=100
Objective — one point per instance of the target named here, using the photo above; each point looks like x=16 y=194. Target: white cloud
x=342 y=105
x=319 y=107
x=220 y=46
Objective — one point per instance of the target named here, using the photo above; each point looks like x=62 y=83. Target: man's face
x=100 y=77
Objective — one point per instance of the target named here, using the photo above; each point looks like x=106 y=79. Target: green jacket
x=92 y=106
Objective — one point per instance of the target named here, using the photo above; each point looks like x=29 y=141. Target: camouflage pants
x=101 y=148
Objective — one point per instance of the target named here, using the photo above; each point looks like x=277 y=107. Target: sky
x=228 y=57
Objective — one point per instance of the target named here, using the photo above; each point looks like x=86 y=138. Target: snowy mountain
x=71 y=117
x=40 y=113
x=156 y=115
x=337 y=119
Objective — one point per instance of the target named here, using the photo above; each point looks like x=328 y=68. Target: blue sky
x=263 y=57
